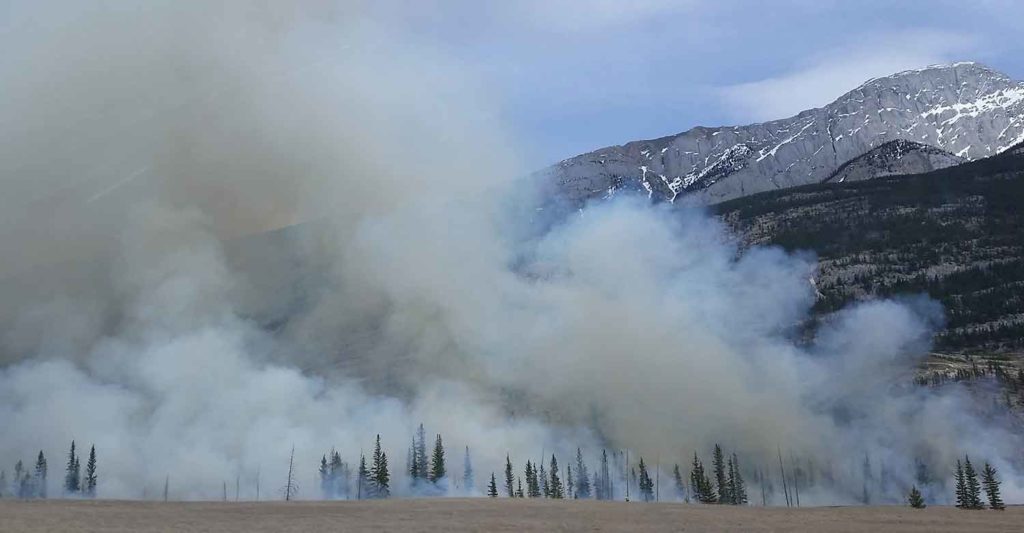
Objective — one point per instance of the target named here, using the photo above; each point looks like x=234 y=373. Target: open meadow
x=482 y=514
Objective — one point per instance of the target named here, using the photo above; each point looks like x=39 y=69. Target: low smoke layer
x=147 y=307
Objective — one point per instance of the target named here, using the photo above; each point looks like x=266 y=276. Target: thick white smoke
x=145 y=309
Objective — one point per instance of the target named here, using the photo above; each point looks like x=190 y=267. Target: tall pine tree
x=582 y=478
x=437 y=466
x=720 y=476
x=973 y=486
x=737 y=487
x=509 y=490
x=680 y=486
x=72 y=477
x=492 y=489
x=363 y=480
x=41 y=469
x=467 y=474
x=961 y=487
x=645 y=483
x=380 y=479
x=555 y=487
x=991 y=483
x=90 y=473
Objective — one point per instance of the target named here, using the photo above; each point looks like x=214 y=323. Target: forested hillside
x=956 y=234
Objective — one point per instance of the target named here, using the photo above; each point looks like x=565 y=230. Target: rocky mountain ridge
x=966 y=109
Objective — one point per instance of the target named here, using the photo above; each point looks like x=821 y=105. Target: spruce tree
x=437 y=467
x=71 y=478
x=701 y=487
x=420 y=454
x=680 y=486
x=380 y=479
x=414 y=464
x=973 y=486
x=915 y=499
x=41 y=469
x=532 y=482
x=467 y=474
x=555 y=487
x=988 y=479
x=519 y=490
x=720 y=477
x=363 y=479
x=90 y=473
x=325 y=478
x=337 y=476
x=542 y=477
x=509 y=490
x=961 y=487
x=492 y=489
x=582 y=478
x=737 y=487
x=645 y=483
x=570 y=482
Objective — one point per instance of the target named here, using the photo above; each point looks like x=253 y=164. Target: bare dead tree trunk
x=290 y=486
x=785 y=488
x=167 y=483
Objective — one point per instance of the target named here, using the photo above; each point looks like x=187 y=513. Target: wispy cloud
x=829 y=74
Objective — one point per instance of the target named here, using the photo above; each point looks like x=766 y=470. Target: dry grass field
x=484 y=515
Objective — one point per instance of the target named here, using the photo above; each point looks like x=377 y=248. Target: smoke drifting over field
x=146 y=148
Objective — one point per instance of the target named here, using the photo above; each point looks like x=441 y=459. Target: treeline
x=28 y=482
x=616 y=477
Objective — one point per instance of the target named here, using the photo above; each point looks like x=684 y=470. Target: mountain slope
x=894 y=158
x=956 y=234
x=966 y=109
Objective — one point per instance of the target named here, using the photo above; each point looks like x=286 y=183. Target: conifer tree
x=542 y=477
x=509 y=490
x=414 y=465
x=582 y=478
x=569 y=483
x=467 y=474
x=973 y=486
x=3 y=483
x=90 y=473
x=41 y=469
x=700 y=484
x=532 y=482
x=991 y=483
x=492 y=489
x=437 y=467
x=363 y=479
x=419 y=455
x=720 y=477
x=380 y=480
x=555 y=487
x=325 y=477
x=915 y=499
x=337 y=475
x=680 y=487
x=519 y=489
x=645 y=483
x=72 y=479
x=961 y=487
x=737 y=487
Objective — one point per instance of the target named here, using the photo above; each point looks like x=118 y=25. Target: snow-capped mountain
x=899 y=157
x=966 y=109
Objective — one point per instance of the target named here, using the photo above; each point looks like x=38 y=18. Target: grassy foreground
x=483 y=515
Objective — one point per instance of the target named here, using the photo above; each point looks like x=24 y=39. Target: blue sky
x=572 y=76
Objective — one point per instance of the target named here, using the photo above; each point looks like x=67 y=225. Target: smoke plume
x=231 y=230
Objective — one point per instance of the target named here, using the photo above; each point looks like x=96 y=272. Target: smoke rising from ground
x=144 y=308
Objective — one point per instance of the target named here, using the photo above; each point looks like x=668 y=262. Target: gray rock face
x=899 y=157
x=965 y=109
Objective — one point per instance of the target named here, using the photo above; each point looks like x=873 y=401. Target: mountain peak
x=966 y=109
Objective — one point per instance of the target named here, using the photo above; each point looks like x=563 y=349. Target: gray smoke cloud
x=231 y=230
